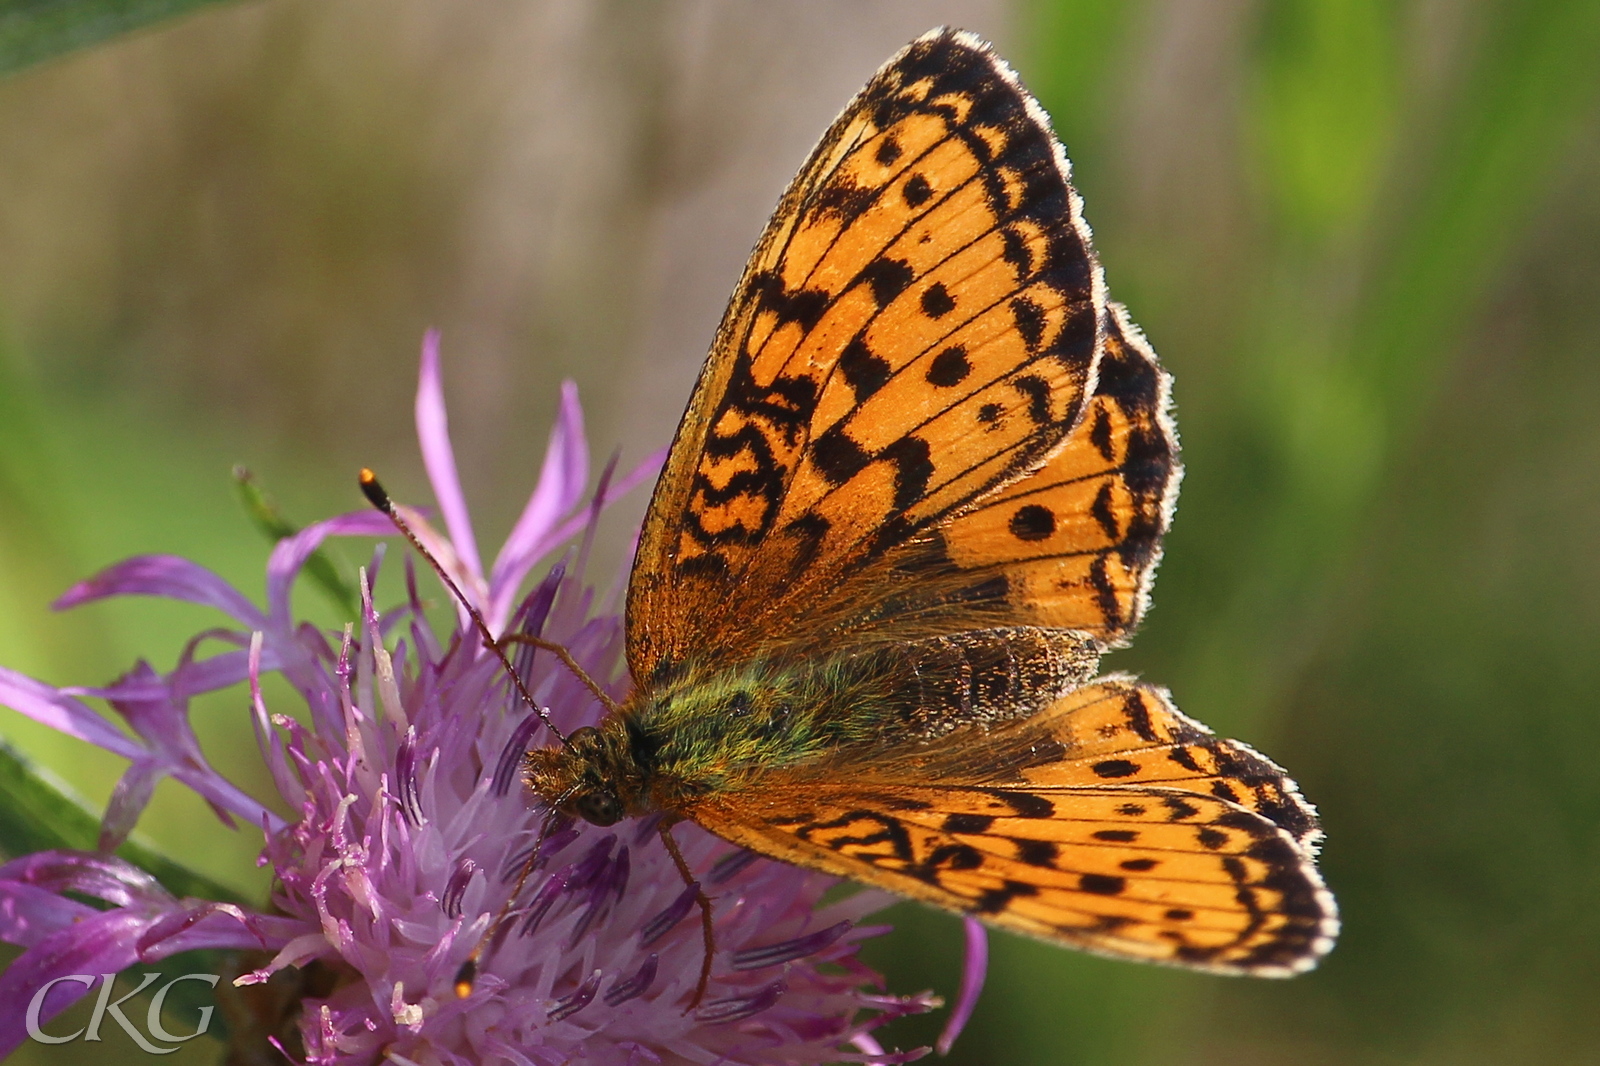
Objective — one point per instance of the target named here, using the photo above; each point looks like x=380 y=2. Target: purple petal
x=109 y=941
x=101 y=876
x=207 y=924
x=573 y=525
x=730 y=866
x=99 y=944
x=511 y=756
x=63 y=713
x=292 y=552
x=267 y=739
x=164 y=575
x=128 y=800
x=874 y=1055
x=205 y=675
x=29 y=913
x=789 y=950
x=405 y=772
x=972 y=975
x=562 y=478
x=433 y=435
x=456 y=887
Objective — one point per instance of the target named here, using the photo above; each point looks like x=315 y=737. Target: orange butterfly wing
x=1108 y=822
x=928 y=267
x=1073 y=545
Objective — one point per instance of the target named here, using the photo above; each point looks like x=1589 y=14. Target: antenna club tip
x=373 y=491
x=465 y=978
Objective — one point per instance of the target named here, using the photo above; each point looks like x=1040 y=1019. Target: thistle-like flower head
x=409 y=825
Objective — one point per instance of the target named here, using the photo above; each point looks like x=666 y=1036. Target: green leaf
x=35 y=30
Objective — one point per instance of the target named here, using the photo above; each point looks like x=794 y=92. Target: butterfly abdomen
x=987 y=676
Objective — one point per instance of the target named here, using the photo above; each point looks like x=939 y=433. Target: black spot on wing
x=995 y=900
x=968 y=823
x=1103 y=511
x=1032 y=522
x=887 y=278
x=837 y=457
x=1036 y=390
x=1137 y=714
x=1117 y=836
x=842 y=198
x=863 y=371
x=950 y=367
x=916 y=191
x=1025 y=804
x=1038 y=852
x=803 y=306
x=1114 y=768
x=1184 y=758
x=946 y=857
x=1102 y=884
x=1100 y=434
x=913 y=462
x=1015 y=251
x=1029 y=317
x=937 y=301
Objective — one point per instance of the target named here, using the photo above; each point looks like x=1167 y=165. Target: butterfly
x=919 y=489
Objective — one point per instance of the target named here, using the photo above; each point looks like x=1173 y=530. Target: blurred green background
x=1364 y=236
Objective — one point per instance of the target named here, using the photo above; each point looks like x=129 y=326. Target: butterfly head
x=594 y=776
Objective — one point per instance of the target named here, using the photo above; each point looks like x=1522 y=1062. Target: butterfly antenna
x=467 y=975
x=375 y=494
x=571 y=664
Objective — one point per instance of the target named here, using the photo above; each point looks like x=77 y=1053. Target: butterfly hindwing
x=1108 y=821
x=919 y=324
x=1150 y=873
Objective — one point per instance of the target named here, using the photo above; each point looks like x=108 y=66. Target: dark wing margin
x=920 y=324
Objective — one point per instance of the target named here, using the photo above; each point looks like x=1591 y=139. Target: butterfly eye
x=600 y=807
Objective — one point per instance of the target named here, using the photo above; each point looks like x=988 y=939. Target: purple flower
x=410 y=826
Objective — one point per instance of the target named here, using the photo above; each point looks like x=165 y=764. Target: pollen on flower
x=410 y=832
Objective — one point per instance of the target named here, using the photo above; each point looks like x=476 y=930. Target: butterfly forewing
x=920 y=324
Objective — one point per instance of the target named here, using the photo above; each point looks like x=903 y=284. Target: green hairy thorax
x=708 y=729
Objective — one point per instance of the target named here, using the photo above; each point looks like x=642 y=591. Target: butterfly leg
x=704 y=901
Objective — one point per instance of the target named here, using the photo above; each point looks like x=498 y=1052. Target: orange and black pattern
x=1108 y=821
x=920 y=323
x=1075 y=544
x=929 y=455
